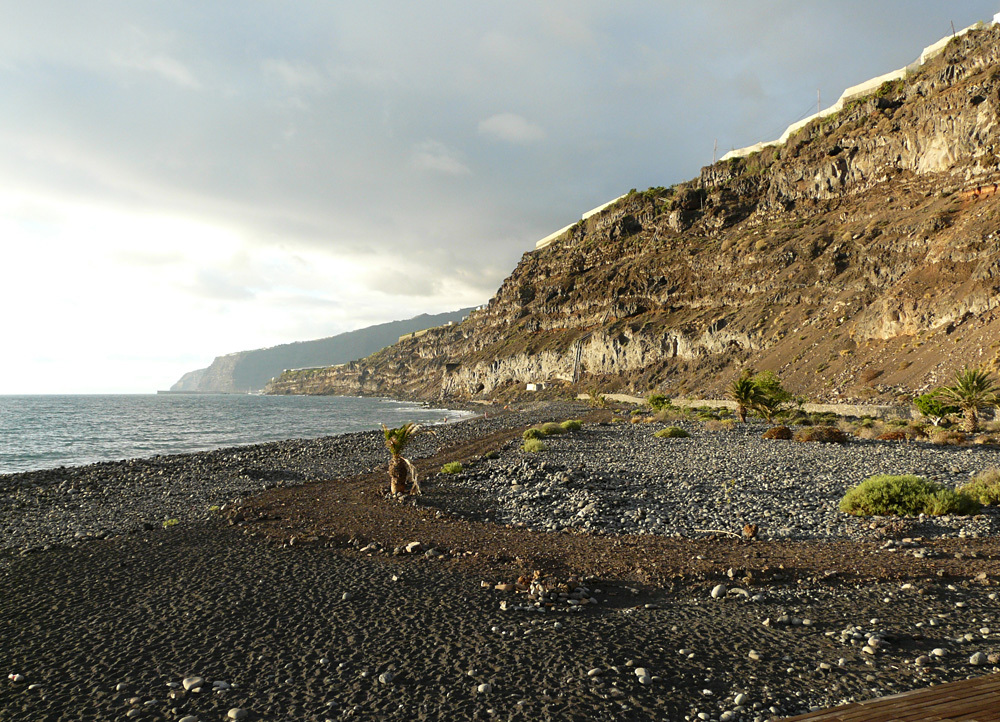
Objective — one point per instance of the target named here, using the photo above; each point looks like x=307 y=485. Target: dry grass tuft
x=949 y=438
x=822 y=434
x=778 y=432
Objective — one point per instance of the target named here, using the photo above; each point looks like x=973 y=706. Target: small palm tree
x=402 y=474
x=768 y=407
x=973 y=391
x=745 y=393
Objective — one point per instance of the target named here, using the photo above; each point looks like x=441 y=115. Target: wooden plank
x=968 y=700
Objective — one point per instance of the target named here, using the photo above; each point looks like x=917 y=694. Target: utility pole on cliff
x=819 y=102
x=715 y=150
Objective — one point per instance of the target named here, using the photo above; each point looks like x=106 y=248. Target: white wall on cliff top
x=553 y=236
x=855 y=91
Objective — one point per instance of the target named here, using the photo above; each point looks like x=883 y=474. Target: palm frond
x=397 y=439
x=973 y=388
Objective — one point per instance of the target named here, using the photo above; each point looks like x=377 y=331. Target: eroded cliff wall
x=859 y=260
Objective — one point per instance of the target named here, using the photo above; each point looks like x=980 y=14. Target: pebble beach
x=147 y=590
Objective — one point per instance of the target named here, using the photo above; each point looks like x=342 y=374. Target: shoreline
x=220 y=428
x=301 y=597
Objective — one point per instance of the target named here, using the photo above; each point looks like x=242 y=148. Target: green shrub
x=658 y=402
x=552 y=428
x=933 y=407
x=534 y=445
x=824 y=434
x=452 y=467
x=491 y=455
x=948 y=501
x=572 y=425
x=984 y=487
x=909 y=495
x=532 y=433
x=170 y=522
x=823 y=418
x=795 y=417
x=672 y=432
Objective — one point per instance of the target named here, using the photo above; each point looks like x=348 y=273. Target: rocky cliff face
x=859 y=260
x=245 y=371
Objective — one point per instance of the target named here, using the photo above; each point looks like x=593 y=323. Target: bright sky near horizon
x=180 y=180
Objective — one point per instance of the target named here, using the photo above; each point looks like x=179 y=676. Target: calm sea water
x=41 y=432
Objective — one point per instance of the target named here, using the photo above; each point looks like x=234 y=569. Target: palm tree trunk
x=741 y=414
x=399 y=474
x=971 y=420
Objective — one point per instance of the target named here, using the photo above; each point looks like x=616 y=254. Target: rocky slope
x=251 y=370
x=859 y=261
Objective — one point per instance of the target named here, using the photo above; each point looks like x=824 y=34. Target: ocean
x=43 y=432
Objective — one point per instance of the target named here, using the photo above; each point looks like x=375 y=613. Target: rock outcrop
x=859 y=260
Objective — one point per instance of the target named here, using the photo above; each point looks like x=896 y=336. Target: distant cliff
x=251 y=370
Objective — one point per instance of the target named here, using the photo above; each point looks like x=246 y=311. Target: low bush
x=778 y=432
x=947 y=501
x=672 y=413
x=491 y=455
x=823 y=434
x=532 y=433
x=572 y=425
x=985 y=440
x=452 y=467
x=948 y=438
x=892 y=436
x=534 y=445
x=796 y=417
x=552 y=428
x=672 y=432
x=720 y=425
x=824 y=418
x=658 y=402
x=170 y=522
x=908 y=495
x=984 y=487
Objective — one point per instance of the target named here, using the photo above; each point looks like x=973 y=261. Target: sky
x=185 y=179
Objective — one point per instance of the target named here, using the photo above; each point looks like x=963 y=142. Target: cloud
x=297 y=76
x=167 y=68
x=213 y=285
x=414 y=281
x=435 y=156
x=511 y=128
